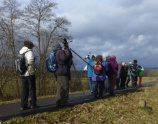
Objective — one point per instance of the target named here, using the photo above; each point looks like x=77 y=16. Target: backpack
x=51 y=64
x=135 y=70
x=98 y=68
x=20 y=64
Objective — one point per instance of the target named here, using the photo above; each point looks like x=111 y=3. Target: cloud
x=126 y=28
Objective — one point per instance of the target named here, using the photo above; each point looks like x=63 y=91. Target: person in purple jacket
x=99 y=78
x=112 y=73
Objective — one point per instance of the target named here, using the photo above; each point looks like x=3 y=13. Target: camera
x=88 y=56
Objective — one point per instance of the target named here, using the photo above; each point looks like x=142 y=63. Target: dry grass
x=122 y=109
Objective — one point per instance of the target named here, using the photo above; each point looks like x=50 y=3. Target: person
x=90 y=72
x=107 y=83
x=140 y=74
x=129 y=68
x=123 y=75
x=118 y=77
x=99 y=76
x=64 y=60
x=112 y=73
x=28 y=78
x=134 y=74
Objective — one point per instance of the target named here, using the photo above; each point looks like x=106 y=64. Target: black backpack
x=20 y=64
x=134 y=69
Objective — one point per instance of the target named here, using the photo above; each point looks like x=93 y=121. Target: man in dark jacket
x=64 y=60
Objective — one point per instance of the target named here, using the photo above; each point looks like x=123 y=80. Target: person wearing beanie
x=28 y=78
x=134 y=74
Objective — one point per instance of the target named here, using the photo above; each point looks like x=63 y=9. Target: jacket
x=30 y=61
x=123 y=71
x=112 y=66
x=64 y=61
x=141 y=71
x=101 y=77
x=90 y=68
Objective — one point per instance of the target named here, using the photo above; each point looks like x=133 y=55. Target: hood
x=112 y=58
x=23 y=50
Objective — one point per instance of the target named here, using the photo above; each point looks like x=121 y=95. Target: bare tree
x=9 y=15
x=42 y=25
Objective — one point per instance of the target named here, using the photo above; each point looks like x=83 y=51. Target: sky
x=127 y=29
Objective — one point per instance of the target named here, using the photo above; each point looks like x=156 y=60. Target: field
x=122 y=109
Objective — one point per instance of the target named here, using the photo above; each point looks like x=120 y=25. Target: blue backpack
x=51 y=64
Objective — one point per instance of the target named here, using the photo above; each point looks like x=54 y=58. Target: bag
x=20 y=64
x=51 y=64
x=135 y=70
x=98 y=68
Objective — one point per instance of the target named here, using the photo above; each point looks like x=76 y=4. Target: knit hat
x=135 y=61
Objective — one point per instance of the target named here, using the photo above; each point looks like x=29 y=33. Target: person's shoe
x=58 y=104
x=34 y=106
x=24 y=108
x=112 y=94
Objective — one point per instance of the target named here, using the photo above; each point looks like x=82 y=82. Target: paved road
x=12 y=110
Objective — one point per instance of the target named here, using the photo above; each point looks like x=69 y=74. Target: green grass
x=122 y=109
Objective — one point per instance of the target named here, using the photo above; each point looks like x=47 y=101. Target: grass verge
x=122 y=109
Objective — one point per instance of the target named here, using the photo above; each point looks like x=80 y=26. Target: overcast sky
x=125 y=28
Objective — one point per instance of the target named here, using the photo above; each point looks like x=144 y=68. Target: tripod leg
x=78 y=78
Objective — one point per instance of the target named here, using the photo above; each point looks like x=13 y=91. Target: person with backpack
x=134 y=73
x=99 y=76
x=63 y=58
x=129 y=73
x=140 y=74
x=90 y=72
x=112 y=73
x=28 y=78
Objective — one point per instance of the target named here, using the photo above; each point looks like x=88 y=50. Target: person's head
x=98 y=58
x=92 y=57
x=113 y=57
x=130 y=63
x=123 y=63
x=135 y=61
x=28 y=44
x=108 y=57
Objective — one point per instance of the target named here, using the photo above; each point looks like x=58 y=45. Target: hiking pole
x=79 y=81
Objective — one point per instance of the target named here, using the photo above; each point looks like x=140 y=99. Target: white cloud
x=126 y=28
